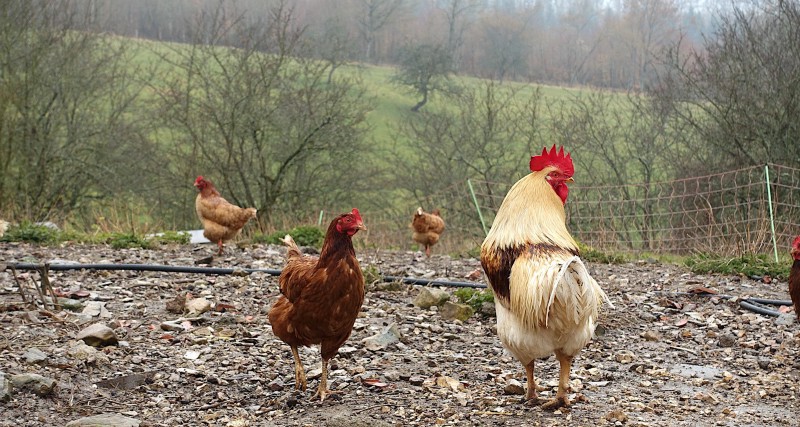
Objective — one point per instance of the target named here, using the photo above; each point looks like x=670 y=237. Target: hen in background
x=221 y=220
x=546 y=301
x=321 y=296
x=794 y=277
x=427 y=228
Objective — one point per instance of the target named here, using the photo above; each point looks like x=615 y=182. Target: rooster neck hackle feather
x=531 y=212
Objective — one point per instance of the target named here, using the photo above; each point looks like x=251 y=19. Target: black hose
x=145 y=267
x=433 y=282
x=748 y=304
x=752 y=304
x=215 y=270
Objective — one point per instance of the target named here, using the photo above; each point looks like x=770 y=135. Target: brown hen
x=427 y=228
x=321 y=296
x=221 y=219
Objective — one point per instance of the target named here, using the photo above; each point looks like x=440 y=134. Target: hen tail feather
x=293 y=249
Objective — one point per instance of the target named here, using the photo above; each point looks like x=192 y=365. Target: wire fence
x=728 y=213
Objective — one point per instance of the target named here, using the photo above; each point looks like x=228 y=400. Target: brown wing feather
x=296 y=275
x=220 y=211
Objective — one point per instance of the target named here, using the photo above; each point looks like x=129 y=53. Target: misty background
x=109 y=110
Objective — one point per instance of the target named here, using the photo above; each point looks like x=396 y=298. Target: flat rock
x=456 y=311
x=428 y=297
x=34 y=383
x=33 y=355
x=514 y=387
x=5 y=388
x=98 y=335
x=105 y=420
x=389 y=335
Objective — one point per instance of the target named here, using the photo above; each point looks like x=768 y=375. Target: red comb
x=356 y=214
x=553 y=158
x=199 y=178
x=796 y=243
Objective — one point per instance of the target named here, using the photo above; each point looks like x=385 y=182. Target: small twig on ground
x=19 y=285
x=47 y=288
x=684 y=349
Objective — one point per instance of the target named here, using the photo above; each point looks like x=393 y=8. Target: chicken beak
x=570 y=180
x=361 y=226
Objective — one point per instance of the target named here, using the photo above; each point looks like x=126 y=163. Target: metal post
x=771 y=215
x=477 y=206
x=319 y=221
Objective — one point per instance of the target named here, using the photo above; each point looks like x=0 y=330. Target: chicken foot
x=561 y=399
x=322 y=390
x=299 y=373
x=219 y=243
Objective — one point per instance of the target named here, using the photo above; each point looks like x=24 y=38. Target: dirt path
x=661 y=359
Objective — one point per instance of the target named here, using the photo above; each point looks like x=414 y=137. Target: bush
x=591 y=254
x=129 y=240
x=371 y=274
x=31 y=233
x=474 y=297
x=178 y=237
x=303 y=236
x=748 y=265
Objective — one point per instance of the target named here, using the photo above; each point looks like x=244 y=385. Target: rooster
x=321 y=297
x=794 y=277
x=546 y=301
x=221 y=220
x=427 y=228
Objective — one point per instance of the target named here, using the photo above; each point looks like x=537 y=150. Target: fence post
x=477 y=206
x=771 y=215
x=319 y=221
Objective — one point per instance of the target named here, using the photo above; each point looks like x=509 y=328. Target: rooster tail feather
x=566 y=283
x=293 y=249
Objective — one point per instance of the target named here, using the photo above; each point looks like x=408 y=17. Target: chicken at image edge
x=546 y=301
x=221 y=219
x=794 y=277
x=321 y=297
x=427 y=227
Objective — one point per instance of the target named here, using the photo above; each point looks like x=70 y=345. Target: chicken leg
x=299 y=373
x=323 y=391
x=530 y=395
x=531 y=398
x=561 y=399
x=219 y=243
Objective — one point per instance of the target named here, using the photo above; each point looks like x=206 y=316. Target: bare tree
x=67 y=128
x=458 y=14
x=488 y=134
x=741 y=93
x=267 y=128
x=620 y=141
x=375 y=14
x=426 y=69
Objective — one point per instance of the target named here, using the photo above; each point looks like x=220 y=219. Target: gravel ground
x=660 y=358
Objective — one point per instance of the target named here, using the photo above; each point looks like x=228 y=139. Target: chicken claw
x=556 y=403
